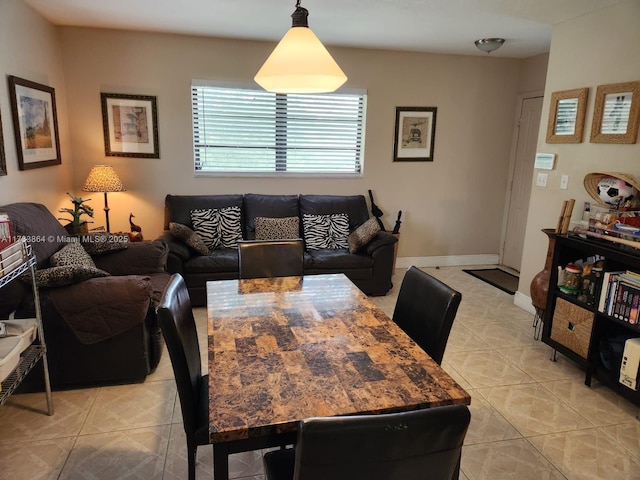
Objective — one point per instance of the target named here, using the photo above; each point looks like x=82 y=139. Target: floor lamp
x=103 y=178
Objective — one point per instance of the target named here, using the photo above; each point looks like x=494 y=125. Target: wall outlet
x=564 y=182
x=542 y=180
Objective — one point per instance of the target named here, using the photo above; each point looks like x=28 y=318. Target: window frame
x=275 y=173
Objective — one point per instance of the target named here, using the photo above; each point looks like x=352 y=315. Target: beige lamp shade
x=103 y=178
x=300 y=64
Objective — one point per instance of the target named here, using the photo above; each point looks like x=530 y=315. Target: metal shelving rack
x=15 y=264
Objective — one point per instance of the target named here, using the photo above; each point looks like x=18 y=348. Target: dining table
x=288 y=348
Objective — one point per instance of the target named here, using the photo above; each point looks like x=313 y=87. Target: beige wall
x=452 y=206
x=29 y=48
x=596 y=49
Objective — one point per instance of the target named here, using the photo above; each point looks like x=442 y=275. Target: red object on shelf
x=6 y=231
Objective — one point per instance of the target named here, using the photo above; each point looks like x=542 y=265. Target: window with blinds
x=251 y=131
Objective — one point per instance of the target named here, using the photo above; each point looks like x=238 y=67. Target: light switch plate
x=542 y=180
x=564 y=182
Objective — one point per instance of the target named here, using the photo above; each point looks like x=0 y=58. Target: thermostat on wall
x=545 y=161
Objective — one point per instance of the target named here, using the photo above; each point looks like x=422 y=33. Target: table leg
x=220 y=462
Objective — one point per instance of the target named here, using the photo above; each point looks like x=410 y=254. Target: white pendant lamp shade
x=300 y=63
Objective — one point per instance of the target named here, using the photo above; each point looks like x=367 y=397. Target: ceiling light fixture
x=489 y=44
x=300 y=63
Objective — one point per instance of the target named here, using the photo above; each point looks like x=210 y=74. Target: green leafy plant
x=79 y=209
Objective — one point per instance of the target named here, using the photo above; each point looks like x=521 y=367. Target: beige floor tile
x=176 y=462
x=131 y=406
x=626 y=434
x=487 y=368
x=512 y=459
x=535 y=361
x=503 y=335
x=34 y=460
x=463 y=339
x=487 y=425
x=24 y=416
x=601 y=405
x=588 y=455
x=134 y=454
x=533 y=409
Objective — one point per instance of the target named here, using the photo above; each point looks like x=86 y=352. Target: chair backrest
x=179 y=330
x=409 y=446
x=425 y=310
x=270 y=258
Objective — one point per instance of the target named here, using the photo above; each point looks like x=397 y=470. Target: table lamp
x=103 y=178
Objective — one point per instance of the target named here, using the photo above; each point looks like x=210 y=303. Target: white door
x=526 y=143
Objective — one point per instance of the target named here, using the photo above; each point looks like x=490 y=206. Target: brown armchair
x=99 y=331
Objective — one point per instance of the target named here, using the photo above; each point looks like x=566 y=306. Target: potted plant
x=77 y=224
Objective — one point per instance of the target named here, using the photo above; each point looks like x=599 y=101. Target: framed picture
x=415 y=134
x=35 y=123
x=615 y=118
x=130 y=125
x=566 y=116
x=3 y=161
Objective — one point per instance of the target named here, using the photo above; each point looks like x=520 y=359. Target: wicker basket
x=571 y=326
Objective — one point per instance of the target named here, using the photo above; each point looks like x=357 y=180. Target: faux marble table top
x=288 y=348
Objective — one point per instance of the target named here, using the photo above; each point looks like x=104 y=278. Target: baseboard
x=519 y=299
x=447 y=261
x=524 y=302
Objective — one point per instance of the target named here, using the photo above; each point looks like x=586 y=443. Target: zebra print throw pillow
x=326 y=231
x=218 y=228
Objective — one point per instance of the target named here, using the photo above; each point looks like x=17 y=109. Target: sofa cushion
x=100 y=243
x=326 y=231
x=189 y=237
x=277 y=228
x=140 y=258
x=363 y=235
x=178 y=207
x=224 y=260
x=355 y=206
x=34 y=221
x=339 y=259
x=270 y=206
x=218 y=228
x=71 y=254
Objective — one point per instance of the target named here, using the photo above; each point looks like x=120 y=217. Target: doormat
x=498 y=278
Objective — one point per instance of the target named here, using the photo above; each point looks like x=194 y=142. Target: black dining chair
x=425 y=310
x=417 y=445
x=270 y=258
x=179 y=330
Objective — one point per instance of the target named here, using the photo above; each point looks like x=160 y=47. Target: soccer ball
x=616 y=192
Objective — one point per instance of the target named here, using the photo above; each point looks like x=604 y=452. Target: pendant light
x=300 y=63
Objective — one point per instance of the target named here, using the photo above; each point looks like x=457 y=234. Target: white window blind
x=251 y=131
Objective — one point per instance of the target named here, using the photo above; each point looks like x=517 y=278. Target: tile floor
x=531 y=418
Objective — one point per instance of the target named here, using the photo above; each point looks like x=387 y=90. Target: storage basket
x=571 y=326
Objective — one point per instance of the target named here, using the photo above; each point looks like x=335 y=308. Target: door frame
x=512 y=161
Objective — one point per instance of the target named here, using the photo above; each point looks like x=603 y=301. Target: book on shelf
x=620 y=296
x=607 y=290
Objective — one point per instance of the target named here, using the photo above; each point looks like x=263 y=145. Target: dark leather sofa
x=370 y=268
x=99 y=331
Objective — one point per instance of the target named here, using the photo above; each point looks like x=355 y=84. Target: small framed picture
x=35 y=123
x=566 y=116
x=130 y=125
x=615 y=118
x=415 y=134
x=3 y=161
